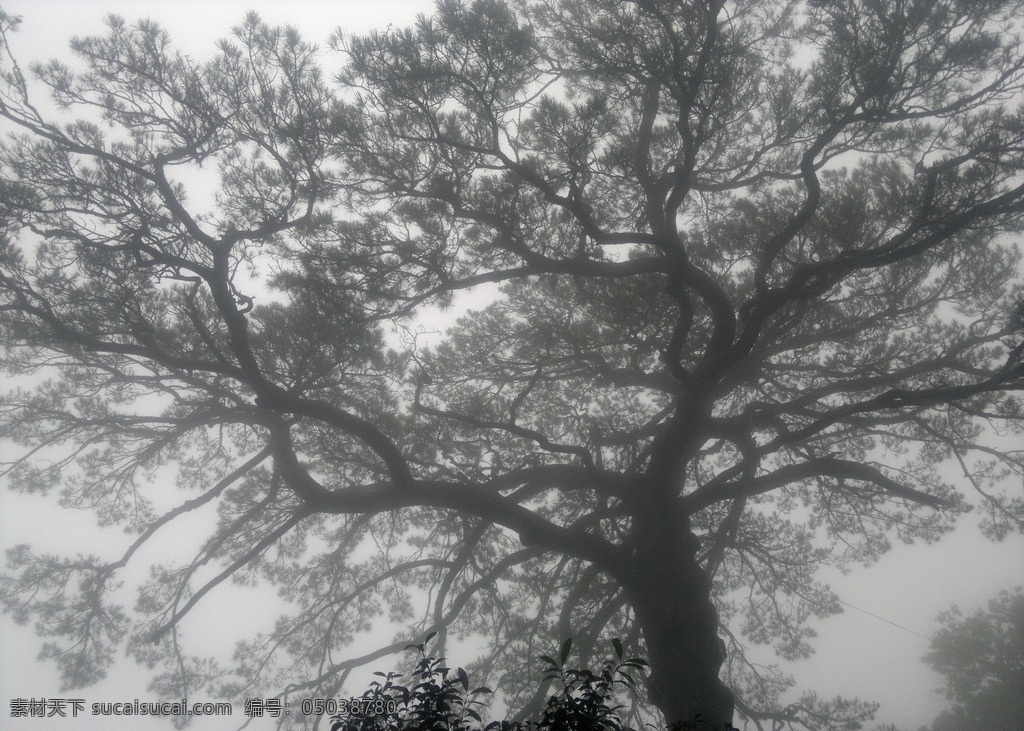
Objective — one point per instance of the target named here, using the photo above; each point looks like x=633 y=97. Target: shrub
x=440 y=699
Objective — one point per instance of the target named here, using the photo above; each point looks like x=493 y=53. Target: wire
x=900 y=626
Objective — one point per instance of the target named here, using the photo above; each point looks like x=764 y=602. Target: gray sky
x=857 y=654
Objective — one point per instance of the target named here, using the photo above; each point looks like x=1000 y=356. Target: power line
x=900 y=626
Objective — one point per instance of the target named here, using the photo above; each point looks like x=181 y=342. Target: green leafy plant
x=583 y=703
x=440 y=699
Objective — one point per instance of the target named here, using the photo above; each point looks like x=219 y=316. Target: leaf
x=617 y=644
x=566 y=649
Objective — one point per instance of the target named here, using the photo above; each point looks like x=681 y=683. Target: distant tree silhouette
x=982 y=659
x=751 y=291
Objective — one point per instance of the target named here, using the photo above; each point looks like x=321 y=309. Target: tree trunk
x=671 y=596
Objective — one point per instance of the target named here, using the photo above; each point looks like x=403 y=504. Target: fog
x=872 y=650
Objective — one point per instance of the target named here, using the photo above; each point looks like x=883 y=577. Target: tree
x=982 y=659
x=753 y=289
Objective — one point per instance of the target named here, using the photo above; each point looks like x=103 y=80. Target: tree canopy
x=753 y=308
x=982 y=659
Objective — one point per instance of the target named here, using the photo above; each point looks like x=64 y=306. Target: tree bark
x=671 y=595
